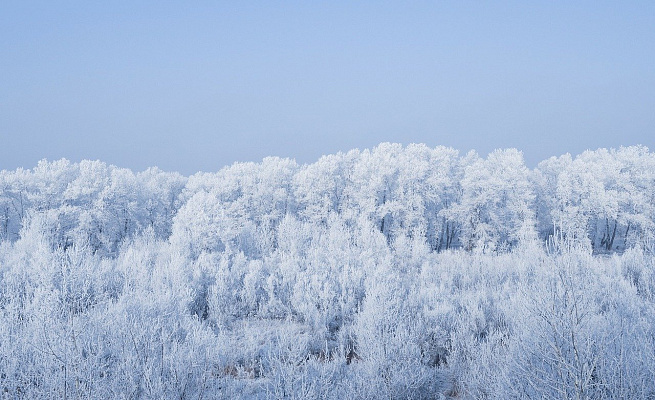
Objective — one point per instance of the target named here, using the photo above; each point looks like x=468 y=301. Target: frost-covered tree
x=320 y=188
x=496 y=210
x=13 y=203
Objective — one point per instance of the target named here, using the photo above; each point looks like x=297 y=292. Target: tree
x=497 y=202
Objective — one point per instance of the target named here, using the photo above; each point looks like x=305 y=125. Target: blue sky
x=191 y=86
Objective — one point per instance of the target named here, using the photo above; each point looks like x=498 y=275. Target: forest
x=398 y=272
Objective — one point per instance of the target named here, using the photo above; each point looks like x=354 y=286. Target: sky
x=195 y=86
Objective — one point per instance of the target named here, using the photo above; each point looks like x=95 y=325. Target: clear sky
x=191 y=86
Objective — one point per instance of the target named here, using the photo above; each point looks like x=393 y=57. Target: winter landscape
x=330 y=200
x=397 y=272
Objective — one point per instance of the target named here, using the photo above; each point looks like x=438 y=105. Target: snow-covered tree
x=496 y=210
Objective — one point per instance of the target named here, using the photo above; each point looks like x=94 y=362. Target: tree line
x=604 y=199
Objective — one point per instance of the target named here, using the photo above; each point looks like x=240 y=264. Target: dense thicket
x=398 y=272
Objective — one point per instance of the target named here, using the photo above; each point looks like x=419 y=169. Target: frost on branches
x=397 y=272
